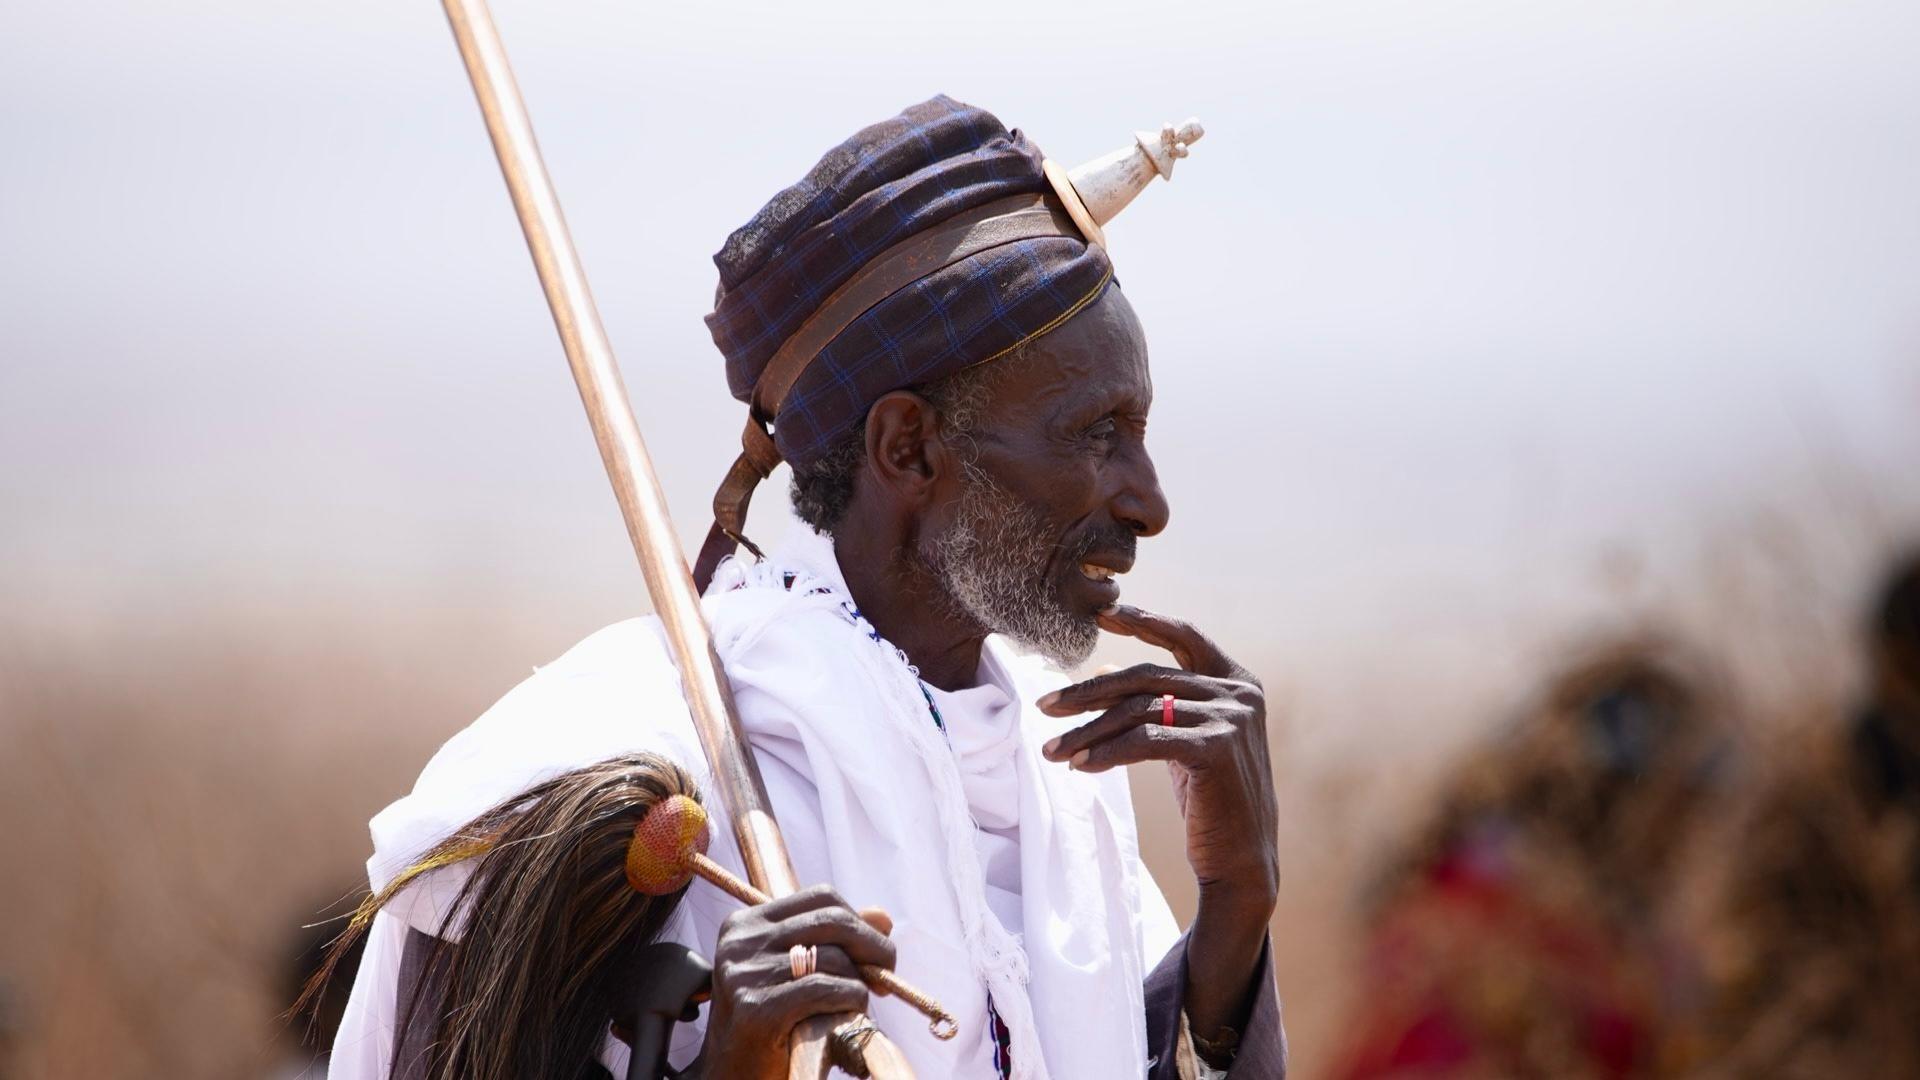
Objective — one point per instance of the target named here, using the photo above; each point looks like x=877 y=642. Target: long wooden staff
x=644 y=506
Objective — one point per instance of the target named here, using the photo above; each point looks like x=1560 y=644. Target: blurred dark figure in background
x=1886 y=735
x=9 y=1029
x=1817 y=949
x=1529 y=933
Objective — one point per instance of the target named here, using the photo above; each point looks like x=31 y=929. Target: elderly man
x=962 y=392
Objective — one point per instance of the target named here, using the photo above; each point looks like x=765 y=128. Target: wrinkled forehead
x=1097 y=359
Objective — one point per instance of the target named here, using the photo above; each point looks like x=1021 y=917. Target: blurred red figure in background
x=1525 y=935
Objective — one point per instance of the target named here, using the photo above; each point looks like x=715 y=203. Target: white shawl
x=869 y=797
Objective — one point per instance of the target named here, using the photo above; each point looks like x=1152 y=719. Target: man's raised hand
x=1216 y=746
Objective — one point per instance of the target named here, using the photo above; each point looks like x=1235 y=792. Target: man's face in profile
x=1057 y=487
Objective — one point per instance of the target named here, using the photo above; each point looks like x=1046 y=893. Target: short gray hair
x=823 y=489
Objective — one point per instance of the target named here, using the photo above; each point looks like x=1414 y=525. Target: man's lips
x=1104 y=568
x=1097 y=573
x=1086 y=565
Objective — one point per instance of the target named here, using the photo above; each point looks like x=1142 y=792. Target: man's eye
x=1104 y=429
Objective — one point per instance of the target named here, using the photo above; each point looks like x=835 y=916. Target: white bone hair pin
x=1096 y=191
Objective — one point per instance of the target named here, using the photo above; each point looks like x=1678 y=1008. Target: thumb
x=878 y=919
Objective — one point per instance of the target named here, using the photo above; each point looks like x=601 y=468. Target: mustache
x=1111 y=538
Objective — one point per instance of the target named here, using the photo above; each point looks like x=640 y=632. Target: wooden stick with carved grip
x=644 y=507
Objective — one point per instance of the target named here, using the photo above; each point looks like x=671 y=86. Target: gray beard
x=991 y=565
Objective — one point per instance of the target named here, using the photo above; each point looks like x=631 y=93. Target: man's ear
x=904 y=452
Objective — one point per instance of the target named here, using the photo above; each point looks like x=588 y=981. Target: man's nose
x=1139 y=504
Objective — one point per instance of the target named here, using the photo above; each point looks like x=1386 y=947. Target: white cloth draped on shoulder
x=1008 y=877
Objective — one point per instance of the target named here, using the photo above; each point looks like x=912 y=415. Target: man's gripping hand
x=757 y=1002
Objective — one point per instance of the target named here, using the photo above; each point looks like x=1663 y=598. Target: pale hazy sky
x=1455 y=303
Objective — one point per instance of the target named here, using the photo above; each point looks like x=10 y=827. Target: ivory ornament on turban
x=924 y=244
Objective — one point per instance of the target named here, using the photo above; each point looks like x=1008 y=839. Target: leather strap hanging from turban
x=923 y=245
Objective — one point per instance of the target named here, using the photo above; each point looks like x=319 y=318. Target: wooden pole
x=642 y=504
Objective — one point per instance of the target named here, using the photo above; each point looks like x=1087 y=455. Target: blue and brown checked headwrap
x=925 y=244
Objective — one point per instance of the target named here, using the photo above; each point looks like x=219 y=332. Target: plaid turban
x=935 y=163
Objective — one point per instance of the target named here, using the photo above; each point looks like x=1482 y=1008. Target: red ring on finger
x=1166 y=710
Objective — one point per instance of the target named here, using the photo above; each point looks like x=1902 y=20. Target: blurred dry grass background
x=176 y=815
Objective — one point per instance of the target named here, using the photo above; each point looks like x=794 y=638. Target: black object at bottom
x=673 y=980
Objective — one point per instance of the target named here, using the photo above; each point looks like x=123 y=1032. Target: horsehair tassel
x=669 y=849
